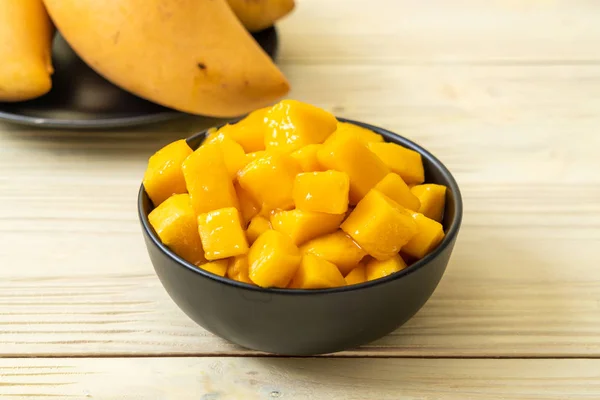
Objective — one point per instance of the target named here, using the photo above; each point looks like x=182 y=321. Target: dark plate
x=82 y=99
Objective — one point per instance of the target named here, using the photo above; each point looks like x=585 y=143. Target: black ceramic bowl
x=307 y=322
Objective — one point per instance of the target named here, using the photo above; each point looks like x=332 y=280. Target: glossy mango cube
x=325 y=192
x=217 y=267
x=357 y=275
x=292 y=124
x=233 y=154
x=247 y=204
x=316 y=273
x=396 y=189
x=378 y=269
x=363 y=167
x=163 y=176
x=249 y=132
x=337 y=248
x=222 y=234
x=380 y=225
x=432 y=199
x=174 y=221
x=208 y=181
x=255 y=155
x=429 y=234
x=405 y=162
x=307 y=158
x=237 y=269
x=258 y=225
x=302 y=226
x=273 y=260
x=270 y=180
x=346 y=129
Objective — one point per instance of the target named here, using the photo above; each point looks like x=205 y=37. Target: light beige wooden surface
x=505 y=92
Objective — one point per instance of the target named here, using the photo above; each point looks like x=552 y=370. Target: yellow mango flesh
x=363 y=167
x=378 y=269
x=217 y=267
x=379 y=225
x=337 y=248
x=357 y=275
x=25 y=50
x=316 y=273
x=193 y=56
x=292 y=124
x=432 y=199
x=222 y=234
x=257 y=15
x=394 y=187
x=346 y=129
x=208 y=181
x=237 y=269
x=248 y=132
x=270 y=180
x=258 y=225
x=174 y=221
x=255 y=155
x=307 y=158
x=233 y=154
x=164 y=176
x=405 y=162
x=247 y=205
x=325 y=192
x=273 y=260
x=302 y=226
x=429 y=234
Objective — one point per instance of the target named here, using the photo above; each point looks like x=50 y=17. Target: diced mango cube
x=258 y=226
x=249 y=132
x=163 y=176
x=208 y=181
x=325 y=192
x=405 y=162
x=270 y=180
x=433 y=200
x=301 y=225
x=363 y=167
x=233 y=154
x=378 y=269
x=174 y=221
x=346 y=129
x=316 y=273
x=248 y=206
x=273 y=260
x=394 y=187
x=380 y=225
x=217 y=267
x=307 y=158
x=357 y=275
x=254 y=155
x=222 y=234
x=337 y=248
x=429 y=234
x=293 y=124
x=238 y=269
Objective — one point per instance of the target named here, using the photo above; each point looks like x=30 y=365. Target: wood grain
x=335 y=379
x=505 y=93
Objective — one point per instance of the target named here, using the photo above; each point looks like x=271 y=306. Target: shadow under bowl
x=297 y=322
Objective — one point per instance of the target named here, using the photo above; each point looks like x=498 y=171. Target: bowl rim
x=389 y=135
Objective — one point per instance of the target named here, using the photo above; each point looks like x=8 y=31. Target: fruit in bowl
x=292 y=231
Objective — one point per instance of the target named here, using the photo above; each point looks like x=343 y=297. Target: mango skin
x=194 y=56
x=273 y=259
x=164 y=176
x=174 y=221
x=222 y=234
x=257 y=15
x=316 y=273
x=26 y=34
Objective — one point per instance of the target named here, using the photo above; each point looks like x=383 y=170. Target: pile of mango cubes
x=290 y=197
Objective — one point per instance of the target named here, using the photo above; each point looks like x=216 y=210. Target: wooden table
x=505 y=92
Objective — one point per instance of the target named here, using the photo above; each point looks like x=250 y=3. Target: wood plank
x=256 y=378
x=523 y=279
